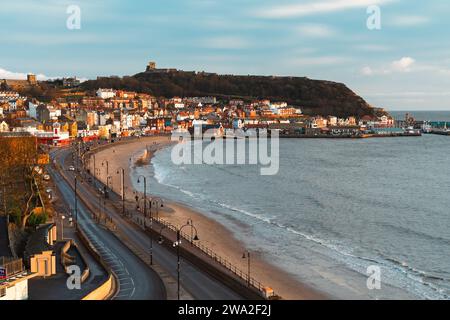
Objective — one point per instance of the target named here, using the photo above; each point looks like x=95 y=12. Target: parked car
x=71 y=168
x=46 y=177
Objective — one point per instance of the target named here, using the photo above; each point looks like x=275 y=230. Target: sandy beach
x=211 y=233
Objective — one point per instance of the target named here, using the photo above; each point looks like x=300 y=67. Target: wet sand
x=211 y=233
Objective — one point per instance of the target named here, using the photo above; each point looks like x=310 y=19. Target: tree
x=18 y=157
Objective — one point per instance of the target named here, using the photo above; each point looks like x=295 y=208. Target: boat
x=426 y=127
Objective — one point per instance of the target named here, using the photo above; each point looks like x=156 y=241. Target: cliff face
x=315 y=97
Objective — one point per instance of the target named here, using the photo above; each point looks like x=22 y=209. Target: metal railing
x=214 y=256
x=11 y=266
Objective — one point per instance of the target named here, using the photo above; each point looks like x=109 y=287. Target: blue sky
x=403 y=66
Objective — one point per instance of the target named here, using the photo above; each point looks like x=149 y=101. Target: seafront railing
x=213 y=255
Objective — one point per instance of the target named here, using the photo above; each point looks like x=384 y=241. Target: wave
x=415 y=233
x=413 y=280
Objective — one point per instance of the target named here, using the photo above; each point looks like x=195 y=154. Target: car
x=71 y=168
x=46 y=177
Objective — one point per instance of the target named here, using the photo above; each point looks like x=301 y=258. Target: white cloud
x=10 y=75
x=408 y=21
x=315 y=7
x=315 y=30
x=403 y=65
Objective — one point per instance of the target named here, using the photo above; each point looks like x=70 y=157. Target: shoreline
x=212 y=233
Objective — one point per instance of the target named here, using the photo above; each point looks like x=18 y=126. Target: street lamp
x=123 y=188
x=177 y=244
x=246 y=255
x=145 y=195
x=107 y=166
x=95 y=171
x=62 y=227
x=108 y=179
x=151 y=233
x=76 y=203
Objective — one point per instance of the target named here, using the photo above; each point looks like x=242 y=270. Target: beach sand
x=211 y=233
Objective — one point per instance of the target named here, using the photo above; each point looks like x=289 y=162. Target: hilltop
x=315 y=97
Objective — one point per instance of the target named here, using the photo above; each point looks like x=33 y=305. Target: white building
x=54 y=113
x=32 y=110
x=278 y=105
x=15 y=290
x=5 y=96
x=14 y=285
x=333 y=121
x=106 y=93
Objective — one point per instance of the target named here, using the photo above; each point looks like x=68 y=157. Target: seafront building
x=108 y=114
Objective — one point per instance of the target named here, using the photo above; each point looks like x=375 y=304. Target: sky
x=402 y=65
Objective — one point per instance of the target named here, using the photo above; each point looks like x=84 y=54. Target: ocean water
x=436 y=116
x=335 y=208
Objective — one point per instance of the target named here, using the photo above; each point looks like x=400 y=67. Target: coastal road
x=136 y=280
x=199 y=284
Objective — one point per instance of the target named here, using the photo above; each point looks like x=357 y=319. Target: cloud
x=315 y=30
x=10 y=75
x=402 y=65
x=315 y=7
x=408 y=21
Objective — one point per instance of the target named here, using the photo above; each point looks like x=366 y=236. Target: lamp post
x=151 y=234
x=97 y=174
x=62 y=227
x=76 y=202
x=108 y=179
x=145 y=195
x=246 y=255
x=107 y=166
x=123 y=188
x=95 y=171
x=177 y=244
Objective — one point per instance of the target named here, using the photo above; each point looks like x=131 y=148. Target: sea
x=336 y=211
